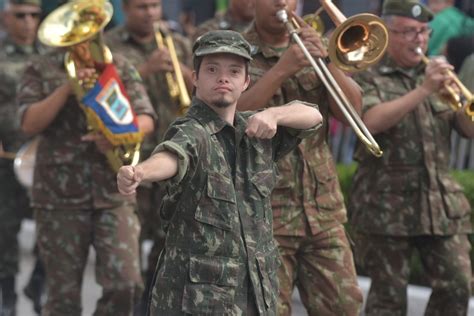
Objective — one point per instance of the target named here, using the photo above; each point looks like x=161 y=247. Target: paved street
x=418 y=296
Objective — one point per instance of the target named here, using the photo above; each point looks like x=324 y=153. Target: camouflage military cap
x=31 y=2
x=214 y=42
x=409 y=8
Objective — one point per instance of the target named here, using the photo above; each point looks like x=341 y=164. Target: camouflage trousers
x=14 y=207
x=322 y=268
x=445 y=260
x=64 y=238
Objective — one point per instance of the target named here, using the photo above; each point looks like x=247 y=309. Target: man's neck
x=141 y=38
x=226 y=114
x=277 y=39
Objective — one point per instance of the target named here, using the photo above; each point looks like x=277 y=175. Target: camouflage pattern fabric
x=407 y=200
x=14 y=201
x=120 y=40
x=222 y=21
x=76 y=199
x=71 y=174
x=445 y=260
x=219 y=250
x=408 y=191
x=307 y=199
x=64 y=239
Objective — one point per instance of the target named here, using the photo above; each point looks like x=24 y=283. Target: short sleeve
x=370 y=94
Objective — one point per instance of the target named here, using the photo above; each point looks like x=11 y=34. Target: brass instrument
x=457 y=100
x=333 y=88
x=176 y=85
x=357 y=42
x=77 y=26
x=314 y=20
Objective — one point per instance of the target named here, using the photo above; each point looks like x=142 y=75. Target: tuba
x=77 y=26
x=457 y=100
x=175 y=81
x=351 y=48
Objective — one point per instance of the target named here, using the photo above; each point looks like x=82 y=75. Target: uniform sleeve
x=183 y=50
x=135 y=88
x=30 y=90
x=370 y=94
x=286 y=138
x=180 y=140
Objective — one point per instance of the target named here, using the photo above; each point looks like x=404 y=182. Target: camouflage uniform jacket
x=13 y=60
x=218 y=218
x=120 y=40
x=222 y=21
x=408 y=191
x=71 y=174
x=307 y=197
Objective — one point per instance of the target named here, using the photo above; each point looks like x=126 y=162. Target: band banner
x=107 y=105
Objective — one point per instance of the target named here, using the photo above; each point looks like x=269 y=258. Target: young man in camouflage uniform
x=136 y=40
x=237 y=18
x=220 y=257
x=407 y=200
x=21 y=18
x=74 y=194
x=308 y=206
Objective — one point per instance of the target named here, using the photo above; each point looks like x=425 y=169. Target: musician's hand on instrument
x=160 y=61
x=292 y=60
x=100 y=140
x=311 y=39
x=128 y=179
x=436 y=74
x=262 y=124
x=87 y=77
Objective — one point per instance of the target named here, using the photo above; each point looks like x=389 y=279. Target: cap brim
x=222 y=50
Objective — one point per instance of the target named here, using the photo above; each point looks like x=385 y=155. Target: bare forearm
x=40 y=114
x=465 y=123
x=259 y=95
x=296 y=115
x=351 y=90
x=386 y=115
x=145 y=124
x=159 y=167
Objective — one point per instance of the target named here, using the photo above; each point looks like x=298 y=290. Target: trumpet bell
x=75 y=22
x=358 y=42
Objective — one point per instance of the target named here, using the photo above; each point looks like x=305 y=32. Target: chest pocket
x=263 y=183
x=388 y=89
x=217 y=206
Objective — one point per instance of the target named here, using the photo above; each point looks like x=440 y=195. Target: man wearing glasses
x=407 y=201
x=20 y=19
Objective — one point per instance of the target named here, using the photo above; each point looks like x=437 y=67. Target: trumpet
x=333 y=88
x=457 y=100
x=176 y=85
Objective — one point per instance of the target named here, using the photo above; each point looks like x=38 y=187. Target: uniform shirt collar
x=258 y=46
x=388 y=66
x=11 y=48
x=211 y=120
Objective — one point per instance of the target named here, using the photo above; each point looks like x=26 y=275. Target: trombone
x=176 y=85
x=333 y=88
x=457 y=100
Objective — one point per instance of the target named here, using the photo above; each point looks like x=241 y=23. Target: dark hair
x=458 y=48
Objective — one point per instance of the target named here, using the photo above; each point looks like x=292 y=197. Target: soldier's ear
x=247 y=83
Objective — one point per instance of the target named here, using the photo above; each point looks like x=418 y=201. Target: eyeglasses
x=412 y=34
x=22 y=15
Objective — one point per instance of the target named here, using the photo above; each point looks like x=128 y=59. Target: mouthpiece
x=282 y=16
x=419 y=51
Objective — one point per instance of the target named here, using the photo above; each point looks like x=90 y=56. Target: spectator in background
x=448 y=22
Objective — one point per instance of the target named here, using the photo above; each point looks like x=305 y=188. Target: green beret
x=32 y=2
x=409 y=8
x=214 y=42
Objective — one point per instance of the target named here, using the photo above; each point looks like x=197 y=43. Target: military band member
x=136 y=40
x=20 y=18
x=74 y=195
x=219 y=257
x=407 y=201
x=237 y=18
x=308 y=206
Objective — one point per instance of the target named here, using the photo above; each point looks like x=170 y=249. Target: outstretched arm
x=295 y=115
x=158 y=167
